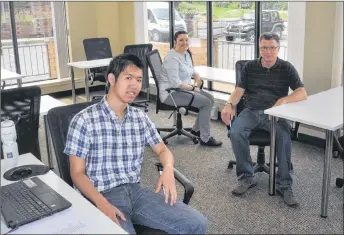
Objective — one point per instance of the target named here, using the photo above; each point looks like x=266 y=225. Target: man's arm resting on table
x=298 y=94
x=167 y=178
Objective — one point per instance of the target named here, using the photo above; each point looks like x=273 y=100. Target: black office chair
x=58 y=121
x=97 y=48
x=141 y=50
x=22 y=105
x=338 y=151
x=258 y=137
x=155 y=63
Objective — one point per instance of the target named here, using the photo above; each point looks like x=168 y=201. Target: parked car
x=244 y=28
x=158 y=21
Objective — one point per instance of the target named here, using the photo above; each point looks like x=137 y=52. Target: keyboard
x=23 y=202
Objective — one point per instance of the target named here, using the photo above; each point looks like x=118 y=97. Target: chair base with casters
x=259 y=166
x=178 y=130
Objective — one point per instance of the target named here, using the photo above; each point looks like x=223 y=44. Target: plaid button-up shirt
x=112 y=149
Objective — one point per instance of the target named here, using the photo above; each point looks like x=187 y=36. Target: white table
x=226 y=76
x=47 y=103
x=86 y=66
x=323 y=110
x=81 y=218
x=8 y=75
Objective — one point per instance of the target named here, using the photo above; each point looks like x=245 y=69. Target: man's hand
x=167 y=181
x=280 y=102
x=227 y=114
x=111 y=211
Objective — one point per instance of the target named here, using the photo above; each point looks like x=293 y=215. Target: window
x=36 y=42
x=233 y=35
x=275 y=19
x=158 y=26
x=7 y=52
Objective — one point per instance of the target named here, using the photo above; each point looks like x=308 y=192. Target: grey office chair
x=154 y=62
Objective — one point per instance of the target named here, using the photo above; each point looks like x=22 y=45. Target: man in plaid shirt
x=105 y=143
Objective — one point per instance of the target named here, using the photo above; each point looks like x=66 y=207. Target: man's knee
x=196 y=224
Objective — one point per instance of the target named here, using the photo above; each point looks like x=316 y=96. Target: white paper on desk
x=64 y=222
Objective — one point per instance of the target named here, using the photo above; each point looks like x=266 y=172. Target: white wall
x=337 y=70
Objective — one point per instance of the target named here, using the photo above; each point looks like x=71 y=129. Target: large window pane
x=36 y=42
x=233 y=33
x=159 y=26
x=194 y=21
x=275 y=19
x=7 y=53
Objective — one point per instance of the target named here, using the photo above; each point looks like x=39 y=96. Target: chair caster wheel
x=339 y=182
x=230 y=165
x=195 y=141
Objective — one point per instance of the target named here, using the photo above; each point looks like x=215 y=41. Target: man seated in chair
x=265 y=83
x=105 y=144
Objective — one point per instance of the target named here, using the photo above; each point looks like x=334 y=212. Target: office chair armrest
x=182 y=90
x=188 y=187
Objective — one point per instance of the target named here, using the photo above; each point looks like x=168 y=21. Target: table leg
x=19 y=82
x=272 y=156
x=47 y=139
x=87 y=89
x=327 y=173
x=73 y=84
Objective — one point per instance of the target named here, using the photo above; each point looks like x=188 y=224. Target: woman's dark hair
x=175 y=39
x=119 y=63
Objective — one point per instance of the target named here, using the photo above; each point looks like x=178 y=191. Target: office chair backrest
x=141 y=50
x=238 y=70
x=155 y=65
x=97 y=48
x=58 y=122
x=23 y=105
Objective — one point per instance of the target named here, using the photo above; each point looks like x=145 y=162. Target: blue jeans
x=142 y=206
x=240 y=131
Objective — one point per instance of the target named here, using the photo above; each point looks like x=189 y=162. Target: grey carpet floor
x=256 y=212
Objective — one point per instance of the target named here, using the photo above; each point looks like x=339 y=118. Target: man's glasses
x=269 y=48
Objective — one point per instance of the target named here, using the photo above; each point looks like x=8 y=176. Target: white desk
x=86 y=66
x=226 y=76
x=47 y=103
x=81 y=218
x=323 y=110
x=8 y=75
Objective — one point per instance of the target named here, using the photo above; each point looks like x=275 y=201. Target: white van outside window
x=158 y=22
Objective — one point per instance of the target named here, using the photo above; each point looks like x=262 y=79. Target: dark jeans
x=240 y=131
x=142 y=206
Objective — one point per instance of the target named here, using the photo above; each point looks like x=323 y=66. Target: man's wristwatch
x=229 y=103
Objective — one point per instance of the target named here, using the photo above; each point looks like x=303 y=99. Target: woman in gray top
x=177 y=71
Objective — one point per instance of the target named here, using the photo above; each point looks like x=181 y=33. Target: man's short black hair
x=269 y=36
x=119 y=63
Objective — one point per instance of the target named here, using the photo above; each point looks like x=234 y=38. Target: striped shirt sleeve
x=152 y=136
x=78 y=138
